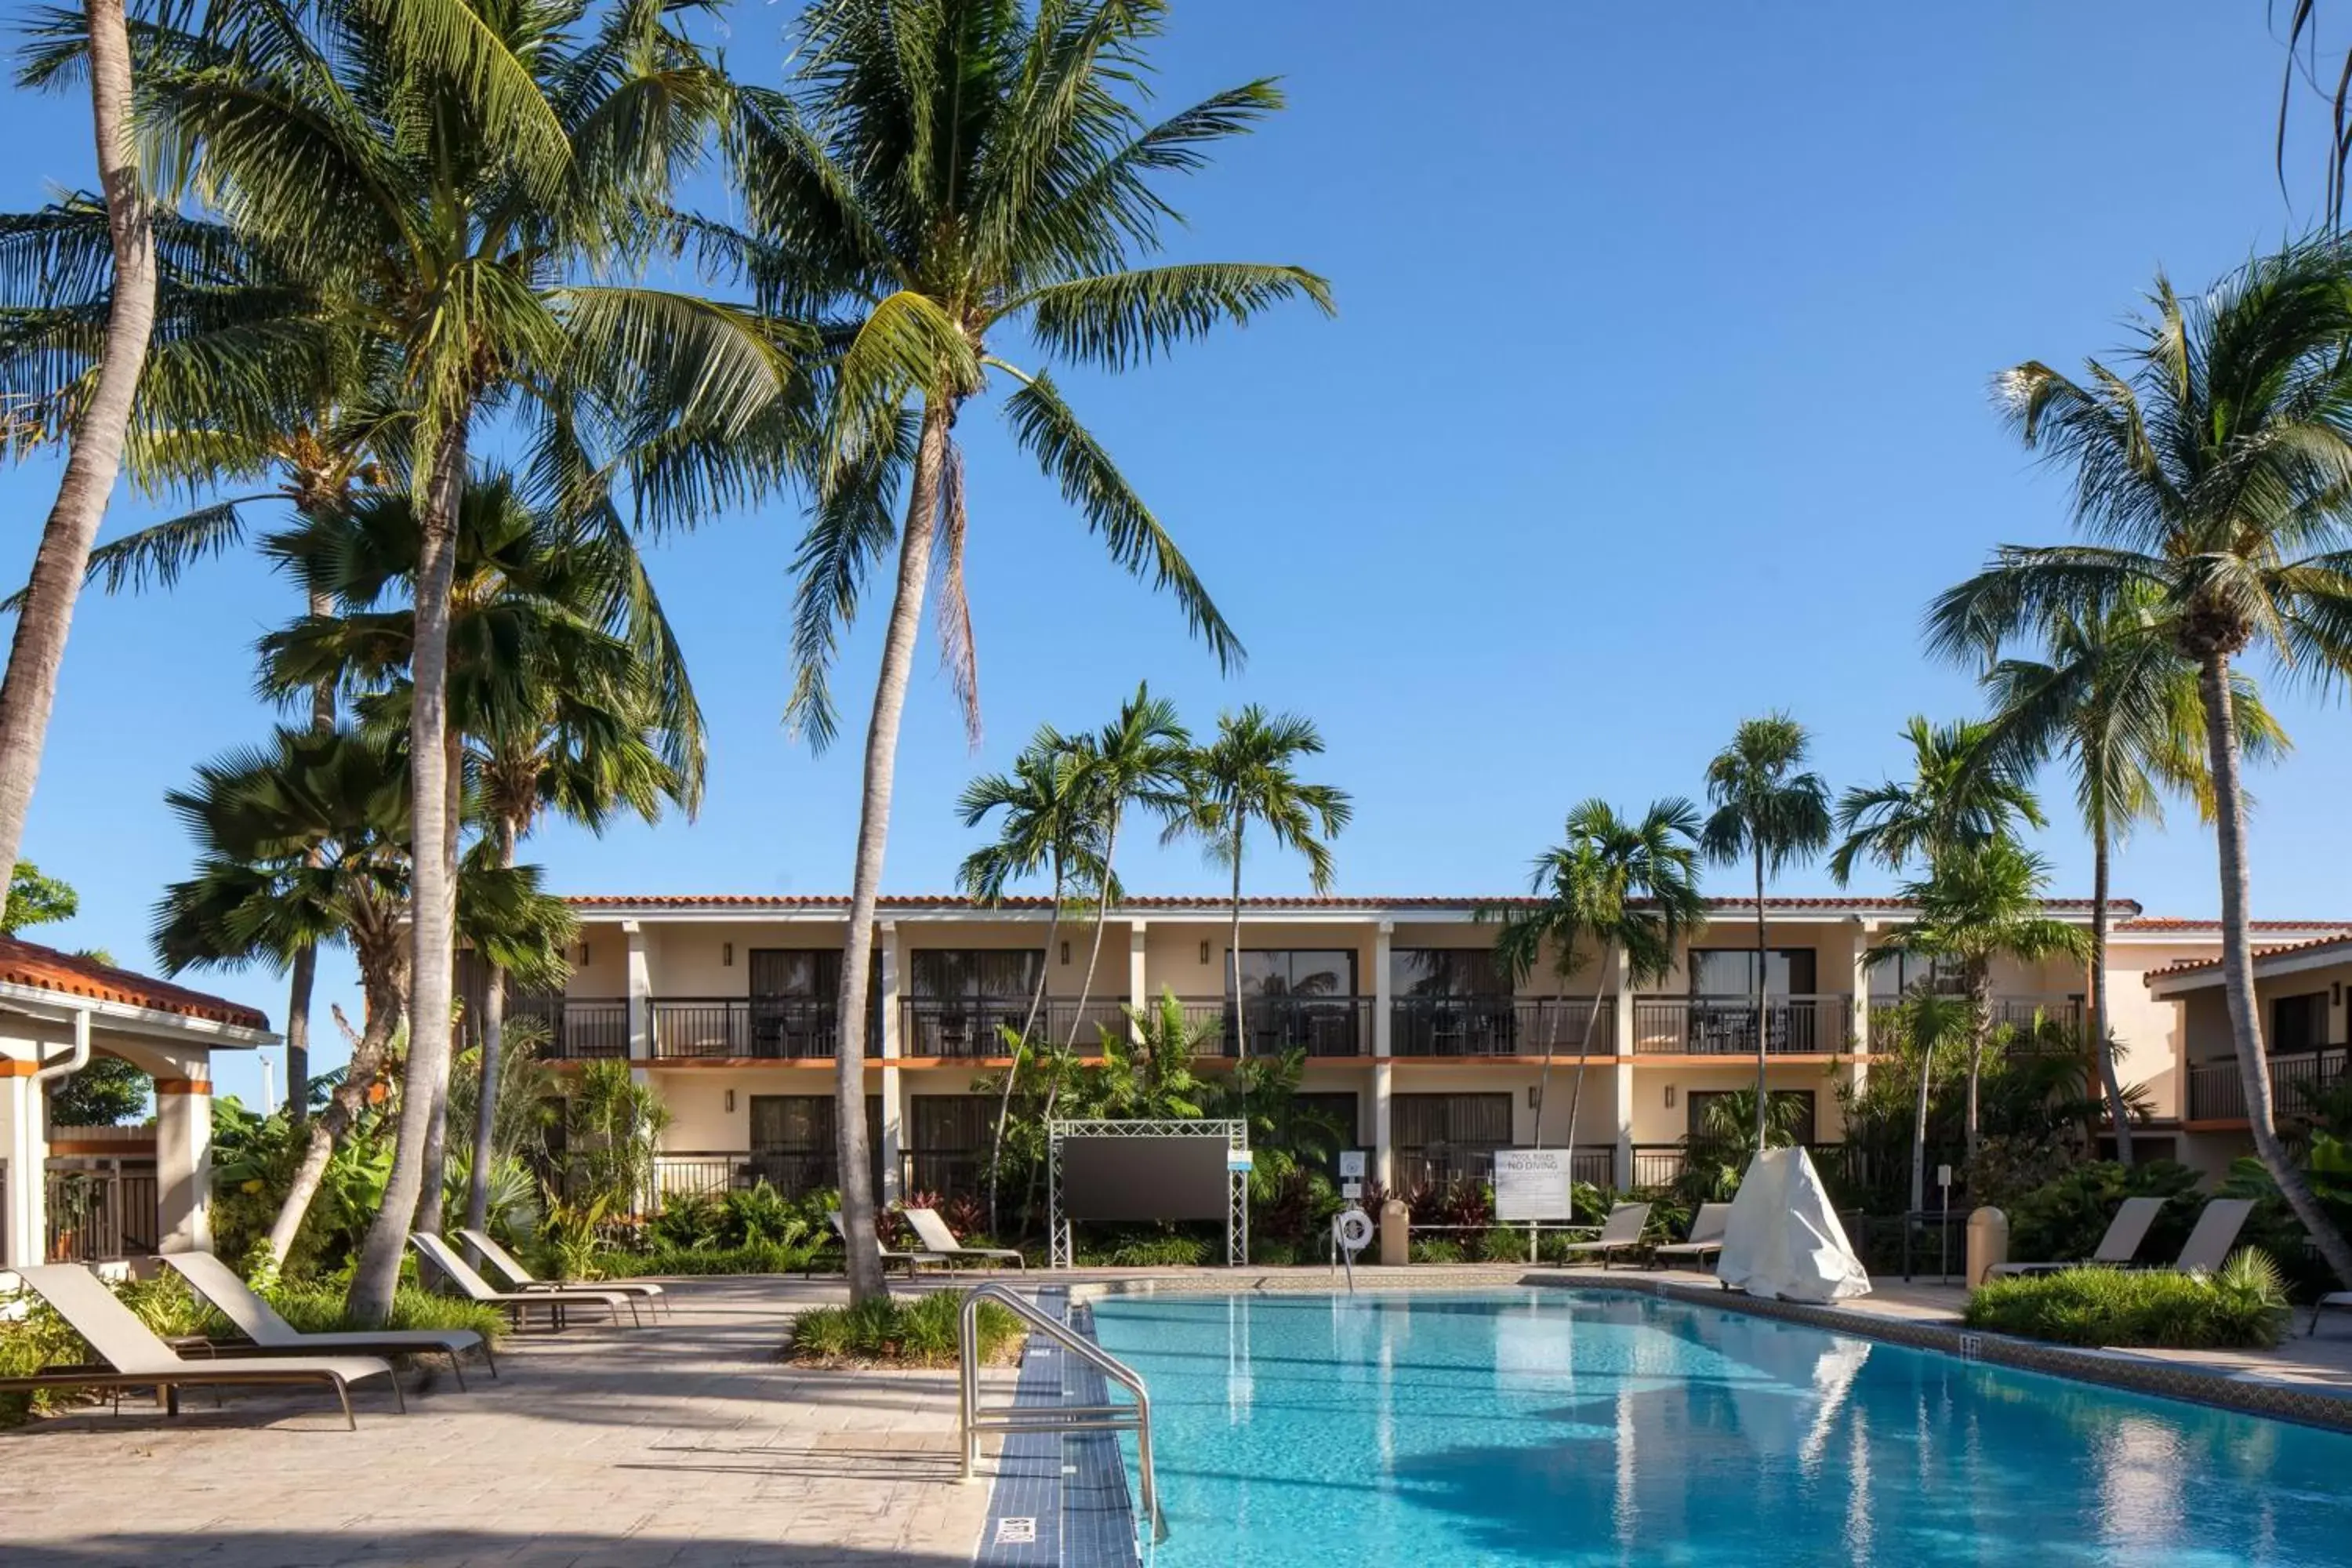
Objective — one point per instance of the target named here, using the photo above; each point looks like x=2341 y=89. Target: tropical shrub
x=919 y=1331
x=1503 y=1244
x=1435 y=1250
x=2064 y=1218
x=749 y=1257
x=2007 y=1166
x=1159 y=1252
x=2243 y=1306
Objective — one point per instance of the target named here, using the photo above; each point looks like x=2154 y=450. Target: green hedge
x=2243 y=1307
x=916 y=1330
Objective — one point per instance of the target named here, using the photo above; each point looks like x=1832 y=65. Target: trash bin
x=1396 y=1234
x=1988 y=1243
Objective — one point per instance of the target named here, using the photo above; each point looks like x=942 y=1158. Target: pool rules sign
x=1531 y=1183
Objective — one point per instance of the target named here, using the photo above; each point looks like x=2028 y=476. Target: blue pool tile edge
x=1071 y=1488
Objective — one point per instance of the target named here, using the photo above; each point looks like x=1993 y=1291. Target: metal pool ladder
x=975 y=1420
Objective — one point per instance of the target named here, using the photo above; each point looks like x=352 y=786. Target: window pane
x=1444 y=971
x=1731 y=972
x=950 y=971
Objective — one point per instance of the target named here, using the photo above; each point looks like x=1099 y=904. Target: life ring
x=1353 y=1228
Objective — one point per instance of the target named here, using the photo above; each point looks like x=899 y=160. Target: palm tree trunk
x=2103 y=1050
x=1234 y=951
x=486 y=1099
x=1543 y=1077
x=1102 y=917
x=432 y=1199
x=1926 y=1049
x=94 y=457
x=380 y=981
x=2238 y=969
x=305 y=967
x=433 y=916
x=1763 y=961
x=1979 y=1022
x=1583 y=1051
x=1028 y=1027
x=914 y=540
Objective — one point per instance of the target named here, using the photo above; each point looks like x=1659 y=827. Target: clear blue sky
x=1657 y=398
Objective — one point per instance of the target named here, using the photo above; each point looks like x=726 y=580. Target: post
x=1383 y=1042
x=1858 y=1070
x=894 y=1136
x=184 y=1162
x=1138 y=978
x=641 y=993
x=25 y=1144
x=1624 y=1044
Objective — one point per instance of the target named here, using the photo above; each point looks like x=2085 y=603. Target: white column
x=1138 y=975
x=641 y=993
x=25 y=1143
x=1383 y=1071
x=1622 y=1044
x=886 y=936
x=1859 y=1069
x=183 y=1164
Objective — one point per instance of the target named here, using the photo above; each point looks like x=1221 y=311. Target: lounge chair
x=519 y=1303
x=2207 y=1247
x=135 y=1358
x=2124 y=1233
x=1706 y=1234
x=272 y=1335
x=521 y=1278
x=1621 y=1232
x=936 y=1239
x=913 y=1260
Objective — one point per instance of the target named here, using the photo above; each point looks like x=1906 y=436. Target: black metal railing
x=576 y=1028
x=950 y=1173
x=2217 y=1092
x=1726 y=1025
x=1499 y=1026
x=966 y=1028
x=1658 y=1164
x=778 y=1028
x=2024 y=1015
x=100 y=1209
x=1319 y=1026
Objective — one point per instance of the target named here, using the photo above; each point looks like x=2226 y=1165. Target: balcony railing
x=950 y=1173
x=973 y=1027
x=1726 y=1025
x=2216 y=1092
x=1498 y=1027
x=713 y=1172
x=776 y=1028
x=576 y=1028
x=2022 y=1013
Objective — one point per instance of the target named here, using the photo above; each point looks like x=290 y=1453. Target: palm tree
x=1048 y=824
x=99 y=424
x=1249 y=774
x=942 y=178
x=1925 y=1021
x=2115 y=700
x=1976 y=903
x=1769 y=811
x=1960 y=795
x=2213 y=472
x=1621 y=885
x=1143 y=757
x=457 y=176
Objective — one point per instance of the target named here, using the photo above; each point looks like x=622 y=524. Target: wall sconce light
x=726 y=955
x=1205 y=952
x=1535 y=1098
x=1066 y=953
x=1670 y=1097
x=583 y=955
x=730 y=1100
x=2336 y=994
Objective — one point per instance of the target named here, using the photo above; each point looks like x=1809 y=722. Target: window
x=1445 y=972
x=1801 y=1126
x=1335 y=1110
x=1894 y=975
x=793 y=1145
x=1441 y=1138
x=951 y=1133
x=801 y=973
x=943 y=972
x=1731 y=972
x=2299 y=1023
x=1297 y=972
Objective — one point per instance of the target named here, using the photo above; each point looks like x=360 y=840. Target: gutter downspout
x=74 y=1059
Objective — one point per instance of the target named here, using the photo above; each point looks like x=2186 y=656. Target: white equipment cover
x=1783 y=1241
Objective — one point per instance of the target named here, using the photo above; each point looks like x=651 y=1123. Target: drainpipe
x=74 y=1059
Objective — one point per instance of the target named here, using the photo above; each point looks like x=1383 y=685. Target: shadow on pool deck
x=450 y=1548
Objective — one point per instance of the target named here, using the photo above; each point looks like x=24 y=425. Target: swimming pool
x=1603 y=1426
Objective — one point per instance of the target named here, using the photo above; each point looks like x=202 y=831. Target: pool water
x=1592 y=1428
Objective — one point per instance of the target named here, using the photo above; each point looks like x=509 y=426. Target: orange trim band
x=18 y=1066
x=183 y=1086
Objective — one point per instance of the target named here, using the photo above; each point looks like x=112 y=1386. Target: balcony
x=1726 y=1025
x=765 y=1029
x=575 y=1029
x=2216 y=1092
x=2023 y=1014
x=972 y=1029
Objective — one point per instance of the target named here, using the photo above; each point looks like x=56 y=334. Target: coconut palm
x=1960 y=795
x=458 y=177
x=1925 y=1024
x=1249 y=774
x=2114 y=698
x=1141 y=758
x=1048 y=825
x=97 y=425
x=2213 y=472
x=1771 y=810
x=942 y=179
x=1613 y=884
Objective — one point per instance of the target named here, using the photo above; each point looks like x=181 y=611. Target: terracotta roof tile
x=2177 y=923
x=2192 y=966
x=1197 y=901
x=47 y=969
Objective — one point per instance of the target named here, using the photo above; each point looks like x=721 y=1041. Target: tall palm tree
x=1977 y=903
x=459 y=174
x=1141 y=758
x=1250 y=774
x=1926 y=1021
x=99 y=424
x=1772 y=810
x=1048 y=824
x=2213 y=472
x=1621 y=886
x=943 y=178
x=2114 y=698
x=1960 y=795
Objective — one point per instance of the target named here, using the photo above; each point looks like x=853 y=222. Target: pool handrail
x=973 y=1420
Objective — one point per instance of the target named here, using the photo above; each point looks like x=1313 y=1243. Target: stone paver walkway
x=684 y=1442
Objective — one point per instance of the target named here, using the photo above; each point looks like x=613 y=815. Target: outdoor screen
x=1145 y=1178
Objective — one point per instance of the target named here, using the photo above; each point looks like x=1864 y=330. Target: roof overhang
x=121 y=1017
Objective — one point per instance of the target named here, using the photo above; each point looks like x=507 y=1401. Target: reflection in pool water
x=1551 y=1427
